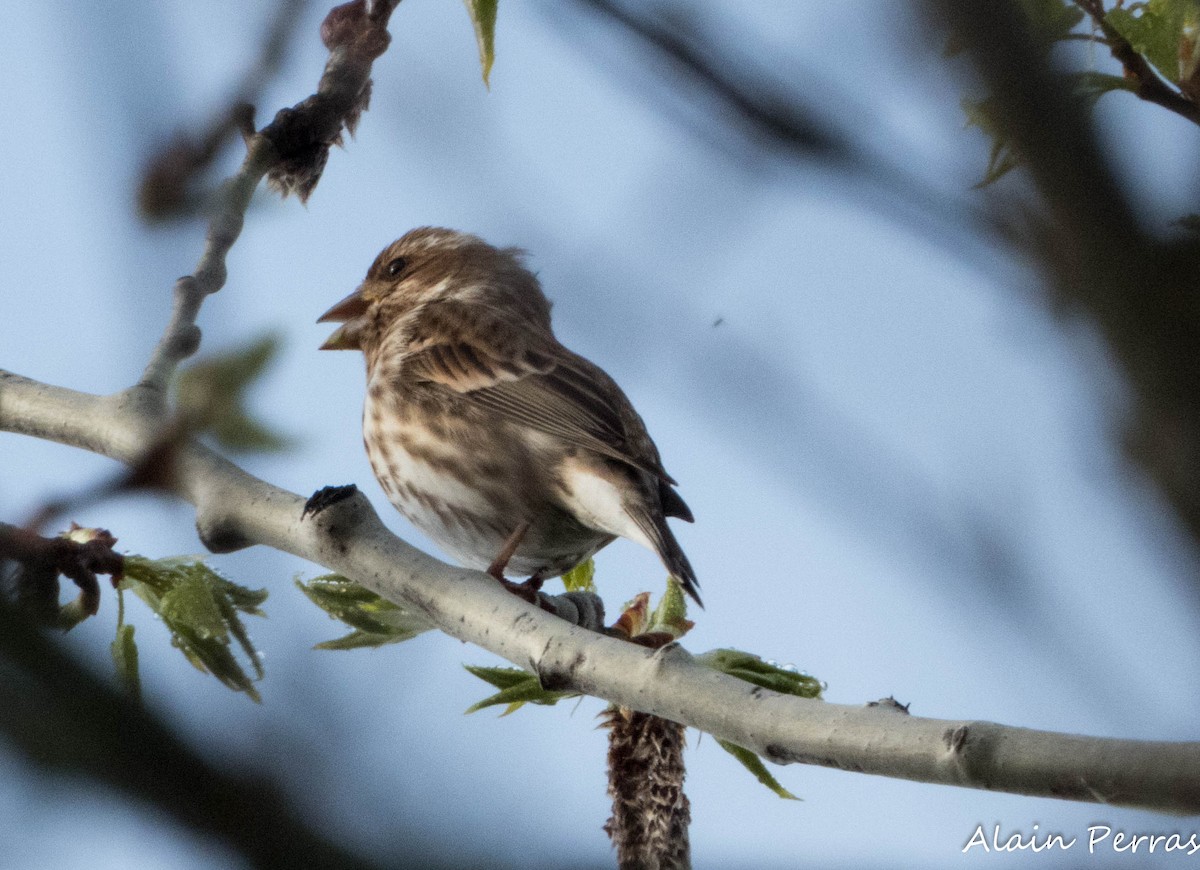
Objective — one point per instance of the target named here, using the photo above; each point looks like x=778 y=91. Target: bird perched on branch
x=508 y=450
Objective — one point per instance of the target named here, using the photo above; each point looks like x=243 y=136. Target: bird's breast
x=468 y=482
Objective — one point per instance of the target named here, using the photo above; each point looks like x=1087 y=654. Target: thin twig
x=181 y=338
x=292 y=151
x=778 y=116
x=71 y=720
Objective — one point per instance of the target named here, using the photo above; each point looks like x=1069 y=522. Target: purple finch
x=509 y=451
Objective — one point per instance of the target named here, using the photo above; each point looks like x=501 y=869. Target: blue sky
x=903 y=467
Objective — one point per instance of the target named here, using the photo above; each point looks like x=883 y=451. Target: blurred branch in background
x=785 y=122
x=52 y=709
x=1141 y=290
x=729 y=89
x=767 y=108
x=67 y=719
x=1076 y=226
x=169 y=184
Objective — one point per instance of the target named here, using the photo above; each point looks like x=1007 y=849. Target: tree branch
x=235 y=509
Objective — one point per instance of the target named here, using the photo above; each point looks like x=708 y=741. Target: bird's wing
x=531 y=379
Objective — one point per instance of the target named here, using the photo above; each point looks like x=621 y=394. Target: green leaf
x=581 y=578
x=240 y=432
x=125 y=657
x=190 y=602
x=211 y=395
x=670 y=615
x=1001 y=159
x=483 y=19
x=1052 y=19
x=755 y=765
x=71 y=614
x=375 y=620
x=1157 y=29
x=517 y=687
x=1091 y=86
x=363 y=640
x=1088 y=86
x=749 y=667
x=501 y=678
x=202 y=610
x=668 y=618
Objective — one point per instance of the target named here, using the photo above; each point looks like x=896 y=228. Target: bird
x=509 y=451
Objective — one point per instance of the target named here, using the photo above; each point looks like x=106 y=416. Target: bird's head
x=428 y=266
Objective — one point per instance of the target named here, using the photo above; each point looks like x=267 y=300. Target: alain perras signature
x=1100 y=838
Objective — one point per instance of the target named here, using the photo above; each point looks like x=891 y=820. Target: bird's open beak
x=346 y=312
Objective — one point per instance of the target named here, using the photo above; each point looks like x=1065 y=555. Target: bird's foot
x=527 y=590
x=496 y=569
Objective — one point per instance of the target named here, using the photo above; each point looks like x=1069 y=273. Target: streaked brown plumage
x=478 y=422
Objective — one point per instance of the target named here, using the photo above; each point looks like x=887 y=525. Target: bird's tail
x=673 y=557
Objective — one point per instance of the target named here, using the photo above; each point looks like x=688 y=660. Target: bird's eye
x=396 y=266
